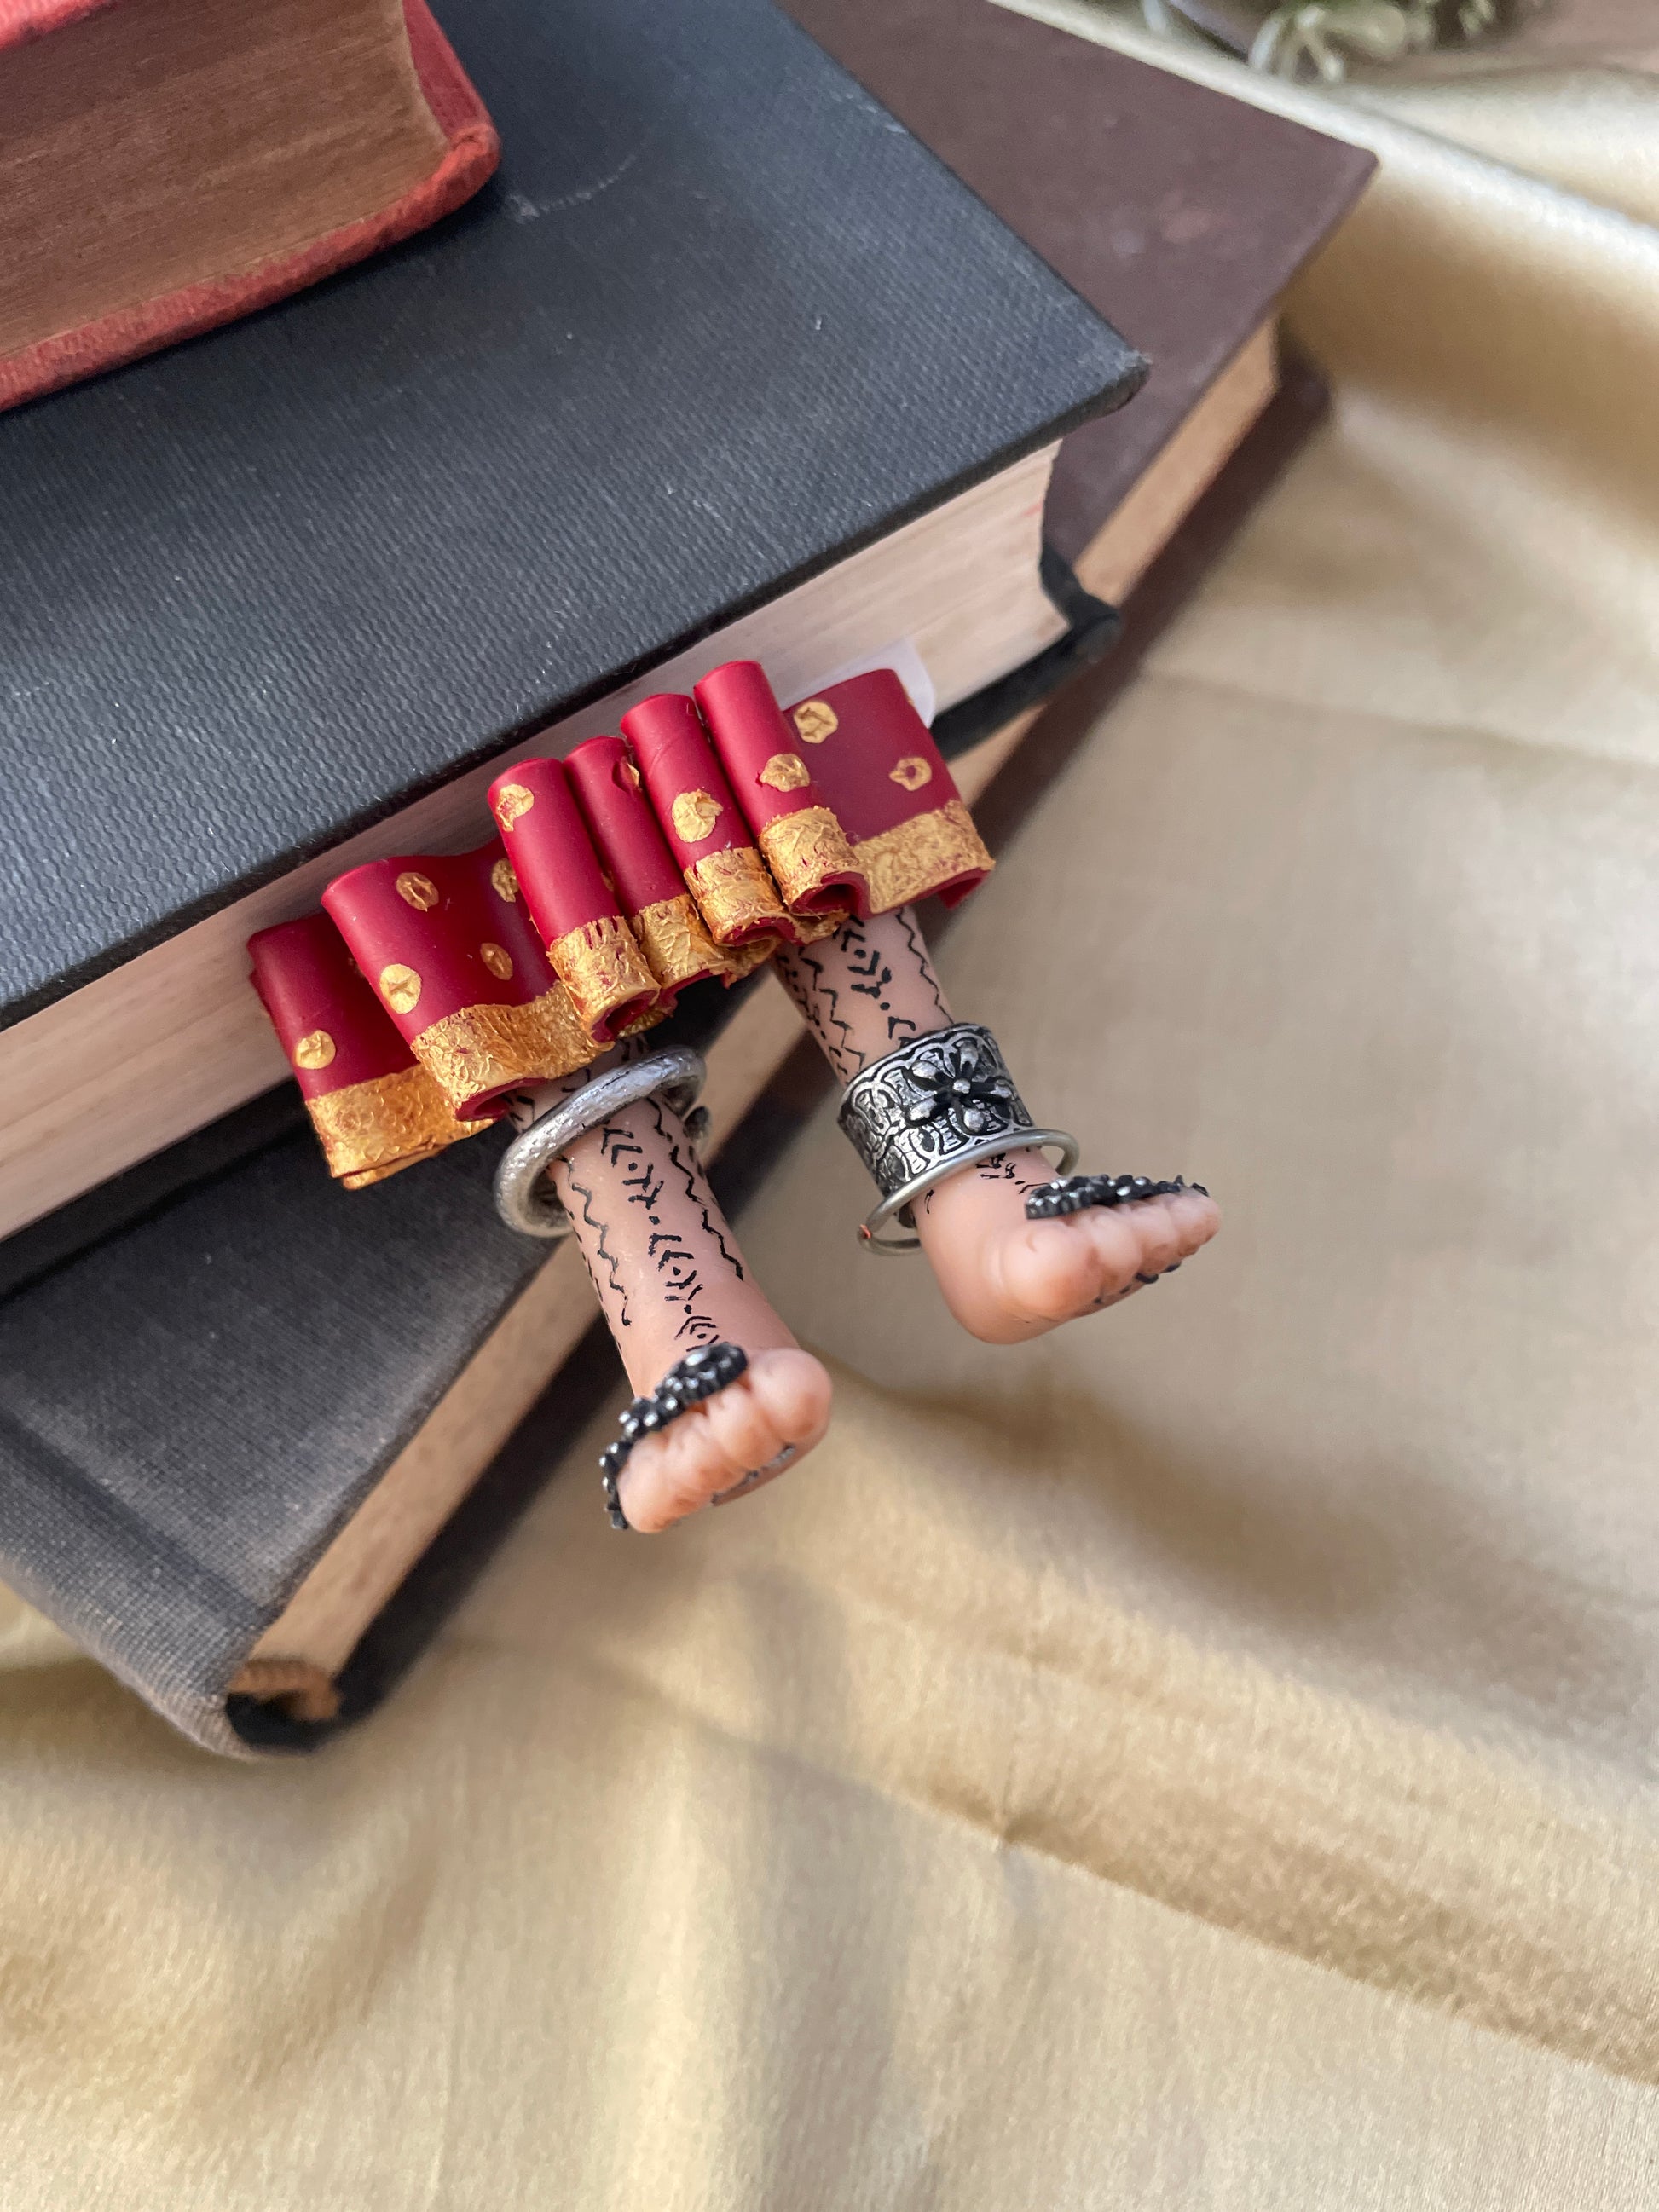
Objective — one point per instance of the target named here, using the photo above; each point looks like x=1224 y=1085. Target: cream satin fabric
x=1202 y=1760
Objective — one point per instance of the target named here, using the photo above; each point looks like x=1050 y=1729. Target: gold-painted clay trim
x=602 y=967
x=677 y=947
x=417 y=890
x=930 y=849
x=693 y=815
x=786 y=772
x=314 y=1050
x=648 y=1020
x=810 y=928
x=734 y=894
x=370 y=1130
x=746 y=958
x=487 y=1048
x=400 y=986
x=804 y=851
x=366 y=1178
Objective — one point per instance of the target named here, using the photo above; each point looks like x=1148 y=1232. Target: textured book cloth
x=168 y=165
x=193 y=1409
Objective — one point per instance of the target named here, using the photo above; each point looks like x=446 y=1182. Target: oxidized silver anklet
x=928 y=1110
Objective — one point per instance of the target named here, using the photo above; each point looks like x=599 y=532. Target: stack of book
x=722 y=362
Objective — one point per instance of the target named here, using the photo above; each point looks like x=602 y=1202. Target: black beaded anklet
x=1072 y=1194
x=709 y=1368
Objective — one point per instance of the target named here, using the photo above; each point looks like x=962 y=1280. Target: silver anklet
x=928 y=1110
x=523 y=1198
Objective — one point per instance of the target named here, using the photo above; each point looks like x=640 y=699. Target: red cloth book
x=166 y=165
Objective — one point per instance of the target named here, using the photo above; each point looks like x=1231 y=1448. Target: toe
x=1044 y=1273
x=1195 y=1217
x=1165 y=1230
x=1157 y=1235
x=783 y=1401
x=1051 y=1271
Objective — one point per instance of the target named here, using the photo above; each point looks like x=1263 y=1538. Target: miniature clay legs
x=674 y=1286
x=870 y=990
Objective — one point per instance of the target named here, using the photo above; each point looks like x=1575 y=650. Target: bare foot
x=1006 y=1278
x=768 y=1419
x=871 y=987
x=671 y=1279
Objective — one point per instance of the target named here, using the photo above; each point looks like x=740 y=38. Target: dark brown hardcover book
x=1178 y=214
x=302 y=1575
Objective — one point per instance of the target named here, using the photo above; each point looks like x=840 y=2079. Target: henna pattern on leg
x=595 y=1250
x=671 y=1130
x=657 y=1248
x=883 y=963
x=803 y=974
x=917 y=945
x=674 y=1285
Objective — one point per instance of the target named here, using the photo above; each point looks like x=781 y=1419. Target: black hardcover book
x=190 y=1412
x=715 y=334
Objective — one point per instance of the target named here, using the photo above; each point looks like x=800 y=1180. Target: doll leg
x=871 y=988
x=671 y=1282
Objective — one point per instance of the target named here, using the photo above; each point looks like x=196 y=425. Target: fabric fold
x=691 y=847
x=449 y=945
x=802 y=839
x=878 y=770
x=590 y=946
x=375 y=1107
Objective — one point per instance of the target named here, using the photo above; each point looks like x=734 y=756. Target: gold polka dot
x=314 y=1050
x=912 y=772
x=400 y=987
x=628 y=775
x=786 y=772
x=512 y=800
x=694 y=814
x=497 y=959
x=416 y=890
x=816 y=719
x=504 y=882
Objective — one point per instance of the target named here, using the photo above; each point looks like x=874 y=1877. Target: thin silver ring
x=523 y=1198
x=1009 y=1141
